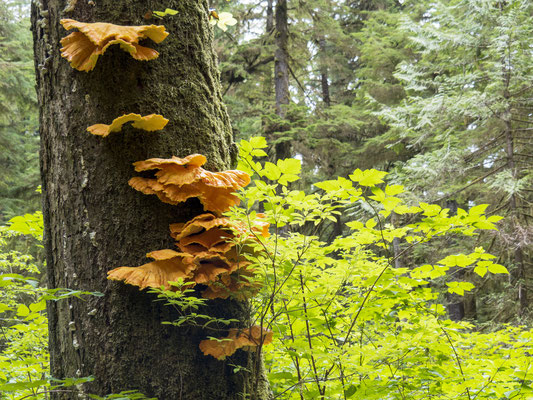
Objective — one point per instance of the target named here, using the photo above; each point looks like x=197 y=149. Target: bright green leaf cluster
x=349 y=323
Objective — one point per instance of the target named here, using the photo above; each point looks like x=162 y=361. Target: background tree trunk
x=324 y=71
x=95 y=222
x=281 y=65
x=281 y=74
x=269 y=17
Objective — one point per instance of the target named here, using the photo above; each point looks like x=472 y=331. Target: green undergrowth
x=348 y=321
x=24 y=356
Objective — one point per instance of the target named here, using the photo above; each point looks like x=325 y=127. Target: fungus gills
x=248 y=338
x=179 y=179
x=83 y=48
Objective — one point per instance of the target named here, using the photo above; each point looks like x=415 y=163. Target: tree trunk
x=266 y=43
x=281 y=65
x=323 y=63
x=519 y=274
x=95 y=222
x=281 y=73
x=269 y=17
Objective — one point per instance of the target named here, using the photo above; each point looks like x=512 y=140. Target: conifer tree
x=467 y=114
x=18 y=113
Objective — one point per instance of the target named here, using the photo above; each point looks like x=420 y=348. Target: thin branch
x=446 y=196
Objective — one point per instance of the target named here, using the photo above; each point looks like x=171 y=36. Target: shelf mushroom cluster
x=82 y=48
x=179 y=179
x=207 y=256
x=208 y=243
x=237 y=338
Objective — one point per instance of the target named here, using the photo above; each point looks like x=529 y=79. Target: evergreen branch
x=470 y=184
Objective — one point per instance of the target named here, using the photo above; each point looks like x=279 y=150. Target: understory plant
x=24 y=355
x=349 y=323
x=346 y=321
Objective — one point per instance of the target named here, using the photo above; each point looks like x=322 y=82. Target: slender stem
x=321 y=389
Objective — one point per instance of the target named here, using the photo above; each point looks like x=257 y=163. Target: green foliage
x=161 y=14
x=465 y=112
x=23 y=324
x=347 y=323
x=436 y=93
x=24 y=359
x=29 y=224
x=426 y=90
x=18 y=113
x=185 y=301
x=125 y=395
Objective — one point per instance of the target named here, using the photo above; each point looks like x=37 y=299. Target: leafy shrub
x=349 y=324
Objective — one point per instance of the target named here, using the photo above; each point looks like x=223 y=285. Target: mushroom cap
x=169 y=266
x=179 y=179
x=83 y=48
x=151 y=186
x=217 y=199
x=208 y=266
x=207 y=232
x=99 y=33
x=225 y=179
x=239 y=284
x=165 y=254
x=214 y=240
x=151 y=122
x=170 y=194
x=208 y=221
x=238 y=338
x=175 y=170
x=197 y=224
x=137 y=51
x=193 y=160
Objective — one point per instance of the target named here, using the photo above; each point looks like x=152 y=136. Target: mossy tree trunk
x=95 y=222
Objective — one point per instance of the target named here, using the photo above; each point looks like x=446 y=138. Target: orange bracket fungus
x=208 y=256
x=210 y=265
x=150 y=123
x=206 y=232
x=169 y=265
x=179 y=179
x=248 y=339
x=239 y=284
x=83 y=48
x=214 y=240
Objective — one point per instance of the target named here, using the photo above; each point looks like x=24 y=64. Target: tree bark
x=281 y=65
x=281 y=73
x=95 y=222
x=269 y=17
x=518 y=276
x=324 y=80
